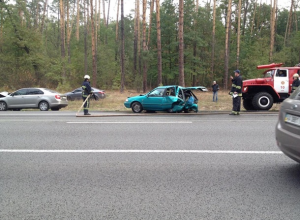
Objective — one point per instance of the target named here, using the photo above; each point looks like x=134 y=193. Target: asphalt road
x=58 y=166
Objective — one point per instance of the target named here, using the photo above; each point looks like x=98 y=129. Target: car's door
x=154 y=99
x=33 y=97
x=78 y=93
x=16 y=99
x=169 y=98
x=281 y=81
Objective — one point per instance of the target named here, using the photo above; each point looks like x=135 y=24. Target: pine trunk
x=62 y=37
x=94 y=54
x=117 y=24
x=85 y=38
x=253 y=18
x=122 y=49
x=273 y=19
x=138 y=37
x=104 y=18
x=158 y=36
x=150 y=21
x=181 y=46
x=44 y=15
x=227 y=44
x=213 y=41
x=108 y=9
x=245 y=16
x=135 y=40
x=144 y=47
x=195 y=45
x=238 y=34
x=77 y=19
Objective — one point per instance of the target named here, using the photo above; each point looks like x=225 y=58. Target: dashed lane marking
x=139 y=151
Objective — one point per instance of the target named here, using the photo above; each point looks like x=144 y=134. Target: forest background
x=54 y=44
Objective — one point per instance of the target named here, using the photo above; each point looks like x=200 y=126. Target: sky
x=129 y=5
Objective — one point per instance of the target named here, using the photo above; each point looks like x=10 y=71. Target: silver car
x=40 y=98
x=288 y=126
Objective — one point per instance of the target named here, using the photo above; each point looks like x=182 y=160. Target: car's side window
x=34 y=92
x=296 y=94
x=180 y=94
x=281 y=73
x=78 y=90
x=157 y=93
x=170 y=91
x=20 y=92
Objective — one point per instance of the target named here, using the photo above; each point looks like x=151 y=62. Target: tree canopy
x=51 y=44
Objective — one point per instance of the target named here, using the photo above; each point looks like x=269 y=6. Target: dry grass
x=114 y=101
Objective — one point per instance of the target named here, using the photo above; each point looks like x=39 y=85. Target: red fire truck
x=274 y=87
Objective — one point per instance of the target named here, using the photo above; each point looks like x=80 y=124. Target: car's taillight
x=57 y=96
x=101 y=92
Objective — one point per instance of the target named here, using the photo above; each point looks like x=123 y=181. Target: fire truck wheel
x=262 y=101
x=247 y=103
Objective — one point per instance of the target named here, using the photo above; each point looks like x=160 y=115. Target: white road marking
x=139 y=151
x=129 y=122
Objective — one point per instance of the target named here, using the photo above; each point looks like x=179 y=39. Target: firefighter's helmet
x=296 y=75
x=87 y=77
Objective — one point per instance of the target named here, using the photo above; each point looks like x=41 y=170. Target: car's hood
x=201 y=88
x=4 y=94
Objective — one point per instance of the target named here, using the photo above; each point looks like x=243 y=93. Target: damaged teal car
x=166 y=98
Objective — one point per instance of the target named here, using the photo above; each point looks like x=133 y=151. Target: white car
x=40 y=98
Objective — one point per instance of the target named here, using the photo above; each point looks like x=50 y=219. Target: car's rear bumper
x=288 y=142
x=58 y=105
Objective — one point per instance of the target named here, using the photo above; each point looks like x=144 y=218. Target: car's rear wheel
x=69 y=98
x=3 y=106
x=44 y=106
x=262 y=101
x=137 y=107
x=247 y=103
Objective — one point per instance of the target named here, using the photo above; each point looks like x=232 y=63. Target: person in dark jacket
x=86 y=93
x=215 y=88
x=296 y=82
x=236 y=92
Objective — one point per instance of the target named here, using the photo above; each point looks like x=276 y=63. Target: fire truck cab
x=274 y=87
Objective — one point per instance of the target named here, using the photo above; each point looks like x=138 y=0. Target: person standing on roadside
x=296 y=82
x=236 y=92
x=86 y=93
x=215 y=88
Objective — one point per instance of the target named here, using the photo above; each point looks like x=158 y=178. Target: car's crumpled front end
x=3 y=94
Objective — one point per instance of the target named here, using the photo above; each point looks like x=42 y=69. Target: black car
x=77 y=94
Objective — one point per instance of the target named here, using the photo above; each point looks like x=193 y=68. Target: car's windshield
x=296 y=94
x=269 y=74
x=157 y=92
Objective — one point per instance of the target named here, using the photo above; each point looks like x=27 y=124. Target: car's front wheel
x=137 y=107
x=44 y=106
x=262 y=101
x=3 y=106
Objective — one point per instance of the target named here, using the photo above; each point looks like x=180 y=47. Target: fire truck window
x=281 y=73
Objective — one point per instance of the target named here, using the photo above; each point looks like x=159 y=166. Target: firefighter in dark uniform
x=86 y=92
x=296 y=82
x=236 y=92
